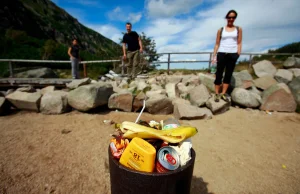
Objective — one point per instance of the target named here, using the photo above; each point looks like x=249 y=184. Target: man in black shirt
x=73 y=52
x=134 y=47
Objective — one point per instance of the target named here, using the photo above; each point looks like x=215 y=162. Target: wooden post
x=169 y=56
x=11 y=69
x=250 y=62
x=210 y=57
x=84 y=70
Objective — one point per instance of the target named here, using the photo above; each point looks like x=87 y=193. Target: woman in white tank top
x=226 y=52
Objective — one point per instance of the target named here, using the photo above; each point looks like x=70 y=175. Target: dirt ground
x=240 y=151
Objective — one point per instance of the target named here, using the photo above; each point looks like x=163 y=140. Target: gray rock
x=141 y=85
x=182 y=89
x=241 y=79
x=294 y=85
x=189 y=112
x=159 y=105
x=264 y=82
x=291 y=62
x=180 y=101
x=264 y=68
x=278 y=98
x=37 y=73
x=283 y=76
x=10 y=91
x=295 y=71
x=48 y=89
x=133 y=84
x=24 y=100
x=55 y=102
x=78 y=82
x=4 y=106
x=174 y=79
x=155 y=87
x=123 y=84
x=254 y=90
x=138 y=102
x=151 y=80
x=171 y=90
x=153 y=94
x=217 y=107
x=207 y=80
x=199 y=95
x=90 y=96
x=121 y=101
x=245 y=98
x=29 y=89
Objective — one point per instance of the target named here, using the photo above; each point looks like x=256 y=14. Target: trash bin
x=127 y=181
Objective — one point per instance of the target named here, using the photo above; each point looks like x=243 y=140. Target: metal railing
x=168 y=61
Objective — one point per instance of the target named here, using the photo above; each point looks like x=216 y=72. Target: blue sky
x=191 y=25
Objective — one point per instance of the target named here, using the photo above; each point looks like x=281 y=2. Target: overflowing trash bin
x=151 y=157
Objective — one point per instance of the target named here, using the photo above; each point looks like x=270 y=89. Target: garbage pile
x=152 y=146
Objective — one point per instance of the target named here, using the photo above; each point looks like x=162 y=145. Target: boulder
x=37 y=73
x=29 y=89
x=123 y=84
x=295 y=71
x=283 y=76
x=174 y=79
x=87 y=97
x=191 y=80
x=180 y=101
x=217 y=107
x=151 y=80
x=4 y=106
x=264 y=68
x=78 y=82
x=278 y=98
x=171 y=90
x=155 y=87
x=153 y=94
x=159 y=105
x=199 y=95
x=121 y=101
x=207 y=80
x=132 y=89
x=241 y=79
x=245 y=98
x=254 y=90
x=264 y=82
x=190 y=112
x=55 y=102
x=294 y=85
x=142 y=86
x=138 y=102
x=48 y=89
x=291 y=62
x=25 y=101
x=133 y=84
x=182 y=89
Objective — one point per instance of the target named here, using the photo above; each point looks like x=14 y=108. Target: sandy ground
x=240 y=151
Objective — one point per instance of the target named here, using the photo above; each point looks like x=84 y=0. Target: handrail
x=168 y=61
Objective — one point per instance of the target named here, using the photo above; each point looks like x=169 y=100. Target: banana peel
x=175 y=135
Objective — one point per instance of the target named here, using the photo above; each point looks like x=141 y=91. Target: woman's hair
x=74 y=39
x=231 y=11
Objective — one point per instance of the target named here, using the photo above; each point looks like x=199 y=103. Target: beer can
x=167 y=159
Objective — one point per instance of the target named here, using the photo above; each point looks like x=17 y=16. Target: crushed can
x=167 y=159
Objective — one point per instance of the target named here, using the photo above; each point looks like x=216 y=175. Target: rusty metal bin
x=127 y=181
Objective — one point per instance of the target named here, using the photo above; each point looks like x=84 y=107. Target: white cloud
x=121 y=14
x=108 y=31
x=169 y=8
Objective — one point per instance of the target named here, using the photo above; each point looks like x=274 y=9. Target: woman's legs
x=221 y=63
x=230 y=65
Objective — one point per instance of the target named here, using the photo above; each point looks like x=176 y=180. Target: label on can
x=167 y=159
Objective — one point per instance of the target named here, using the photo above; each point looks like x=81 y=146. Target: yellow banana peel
x=175 y=135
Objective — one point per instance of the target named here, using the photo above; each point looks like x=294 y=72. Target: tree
x=49 y=48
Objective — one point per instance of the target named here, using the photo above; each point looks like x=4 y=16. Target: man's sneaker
x=224 y=97
x=217 y=97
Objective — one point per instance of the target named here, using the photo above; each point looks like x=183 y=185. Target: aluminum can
x=167 y=159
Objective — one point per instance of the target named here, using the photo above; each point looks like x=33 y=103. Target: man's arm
x=141 y=45
x=124 y=50
x=69 y=52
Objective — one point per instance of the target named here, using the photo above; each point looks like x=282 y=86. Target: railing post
x=250 y=62
x=169 y=56
x=11 y=70
x=209 y=63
